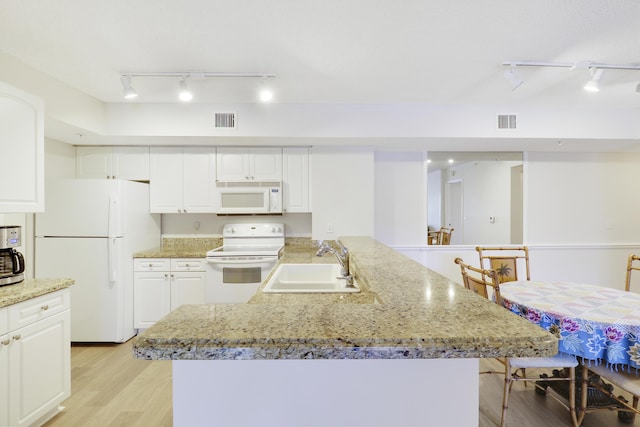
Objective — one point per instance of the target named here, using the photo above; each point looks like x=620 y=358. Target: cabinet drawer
x=4 y=320
x=38 y=308
x=187 y=264
x=151 y=264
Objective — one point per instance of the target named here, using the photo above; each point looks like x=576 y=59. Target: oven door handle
x=253 y=260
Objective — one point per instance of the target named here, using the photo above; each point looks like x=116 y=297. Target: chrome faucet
x=342 y=257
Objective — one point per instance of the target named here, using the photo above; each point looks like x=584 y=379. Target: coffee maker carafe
x=11 y=261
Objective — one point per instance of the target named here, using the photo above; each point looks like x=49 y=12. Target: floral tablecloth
x=592 y=322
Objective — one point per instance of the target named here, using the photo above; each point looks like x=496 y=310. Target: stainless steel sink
x=308 y=278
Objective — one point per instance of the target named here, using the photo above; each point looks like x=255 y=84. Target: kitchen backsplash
x=191 y=242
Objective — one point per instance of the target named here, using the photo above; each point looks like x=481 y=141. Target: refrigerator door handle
x=112 y=260
x=114 y=217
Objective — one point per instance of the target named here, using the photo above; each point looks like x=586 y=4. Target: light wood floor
x=110 y=388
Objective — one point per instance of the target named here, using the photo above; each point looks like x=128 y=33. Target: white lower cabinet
x=164 y=284
x=35 y=359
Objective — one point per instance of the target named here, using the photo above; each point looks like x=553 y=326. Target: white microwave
x=249 y=197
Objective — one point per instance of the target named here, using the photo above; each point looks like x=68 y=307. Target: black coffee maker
x=11 y=261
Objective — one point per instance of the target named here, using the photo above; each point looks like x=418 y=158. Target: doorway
x=453 y=210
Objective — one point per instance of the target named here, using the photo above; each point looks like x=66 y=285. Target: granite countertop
x=181 y=248
x=413 y=312
x=30 y=288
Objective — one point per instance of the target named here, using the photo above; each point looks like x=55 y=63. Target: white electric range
x=248 y=253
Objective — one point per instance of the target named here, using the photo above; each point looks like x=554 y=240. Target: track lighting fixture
x=513 y=78
x=184 y=93
x=127 y=90
x=593 y=85
x=597 y=70
x=265 y=93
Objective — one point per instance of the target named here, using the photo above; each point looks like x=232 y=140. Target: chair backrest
x=631 y=265
x=433 y=237
x=505 y=260
x=480 y=281
x=445 y=235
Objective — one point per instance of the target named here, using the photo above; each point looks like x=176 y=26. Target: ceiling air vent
x=225 y=120
x=506 y=121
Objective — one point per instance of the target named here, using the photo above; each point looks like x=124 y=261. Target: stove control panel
x=253 y=230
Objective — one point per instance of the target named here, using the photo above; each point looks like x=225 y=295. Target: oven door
x=235 y=279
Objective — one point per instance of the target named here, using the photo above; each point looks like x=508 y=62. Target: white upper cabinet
x=22 y=145
x=131 y=163
x=295 y=179
x=182 y=179
x=249 y=164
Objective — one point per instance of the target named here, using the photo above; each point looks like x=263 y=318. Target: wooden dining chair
x=618 y=376
x=480 y=281
x=632 y=265
x=505 y=261
x=433 y=237
x=628 y=381
x=445 y=235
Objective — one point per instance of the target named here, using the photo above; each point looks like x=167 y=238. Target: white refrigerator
x=89 y=231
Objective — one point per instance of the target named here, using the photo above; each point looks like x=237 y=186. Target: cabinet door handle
x=166 y=275
x=6 y=342
x=44 y=307
x=17 y=337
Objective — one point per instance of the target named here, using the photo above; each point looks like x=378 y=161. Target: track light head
x=127 y=90
x=184 y=93
x=513 y=78
x=265 y=93
x=593 y=85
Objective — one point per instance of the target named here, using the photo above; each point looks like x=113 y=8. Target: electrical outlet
x=329 y=227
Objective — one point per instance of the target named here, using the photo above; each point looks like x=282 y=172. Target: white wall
x=582 y=198
x=342 y=184
x=59 y=159
x=63 y=104
x=400 y=198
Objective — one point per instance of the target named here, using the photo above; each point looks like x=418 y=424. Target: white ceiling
x=333 y=51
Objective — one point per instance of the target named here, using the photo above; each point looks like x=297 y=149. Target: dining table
x=595 y=323
x=598 y=325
